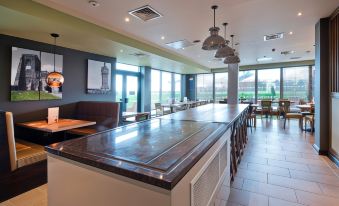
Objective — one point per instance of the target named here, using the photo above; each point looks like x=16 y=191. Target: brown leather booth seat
x=105 y=114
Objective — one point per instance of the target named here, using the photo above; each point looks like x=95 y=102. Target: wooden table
x=62 y=125
x=304 y=107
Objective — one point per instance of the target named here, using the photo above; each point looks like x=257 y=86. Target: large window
x=221 y=85
x=247 y=85
x=155 y=87
x=127 y=67
x=269 y=84
x=296 y=83
x=166 y=87
x=205 y=86
x=177 y=87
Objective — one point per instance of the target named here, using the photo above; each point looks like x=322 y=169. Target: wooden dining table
x=61 y=125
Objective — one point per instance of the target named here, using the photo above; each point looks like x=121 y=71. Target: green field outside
x=31 y=95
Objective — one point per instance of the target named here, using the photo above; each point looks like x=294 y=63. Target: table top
x=62 y=125
x=304 y=106
x=276 y=100
x=176 y=104
x=129 y=114
x=159 y=151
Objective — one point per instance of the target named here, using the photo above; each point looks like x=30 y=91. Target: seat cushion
x=29 y=153
x=293 y=115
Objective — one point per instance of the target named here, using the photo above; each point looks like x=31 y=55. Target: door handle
x=126 y=100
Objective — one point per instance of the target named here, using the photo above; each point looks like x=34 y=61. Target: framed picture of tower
x=29 y=70
x=99 y=77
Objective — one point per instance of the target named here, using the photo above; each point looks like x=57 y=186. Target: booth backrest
x=11 y=140
x=4 y=153
x=105 y=114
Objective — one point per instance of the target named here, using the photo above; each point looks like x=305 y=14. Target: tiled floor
x=279 y=168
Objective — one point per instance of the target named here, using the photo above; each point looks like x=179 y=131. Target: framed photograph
x=28 y=75
x=99 y=77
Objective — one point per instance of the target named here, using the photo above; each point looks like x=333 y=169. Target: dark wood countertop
x=159 y=151
x=219 y=113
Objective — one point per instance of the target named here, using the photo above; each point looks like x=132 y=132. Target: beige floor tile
x=270 y=190
x=237 y=183
x=248 y=158
x=288 y=165
x=252 y=175
x=232 y=204
x=35 y=197
x=326 y=179
x=294 y=183
x=247 y=198
x=325 y=170
x=6 y=203
x=312 y=199
x=269 y=169
x=222 y=203
x=267 y=155
x=305 y=161
x=286 y=153
x=330 y=190
x=278 y=202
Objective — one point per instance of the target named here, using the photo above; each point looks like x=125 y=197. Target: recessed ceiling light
x=94 y=3
x=290 y=33
x=300 y=14
x=126 y=19
x=162 y=37
x=183 y=48
x=264 y=59
x=121 y=50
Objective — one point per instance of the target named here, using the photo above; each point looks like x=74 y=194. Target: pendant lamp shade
x=234 y=59
x=214 y=41
x=224 y=51
x=55 y=79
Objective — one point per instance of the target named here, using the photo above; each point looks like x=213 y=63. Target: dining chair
x=266 y=107
x=309 y=118
x=22 y=153
x=292 y=115
x=252 y=117
x=284 y=107
x=159 y=110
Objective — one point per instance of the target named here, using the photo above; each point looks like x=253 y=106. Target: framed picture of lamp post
x=99 y=77
x=29 y=70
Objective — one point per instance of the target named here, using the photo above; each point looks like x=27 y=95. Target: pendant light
x=214 y=41
x=224 y=51
x=234 y=59
x=55 y=79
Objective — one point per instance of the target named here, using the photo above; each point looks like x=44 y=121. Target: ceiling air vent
x=180 y=44
x=145 y=13
x=287 y=52
x=139 y=54
x=273 y=36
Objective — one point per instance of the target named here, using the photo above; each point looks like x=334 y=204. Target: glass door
x=127 y=92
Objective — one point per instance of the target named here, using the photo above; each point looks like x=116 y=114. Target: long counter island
x=179 y=159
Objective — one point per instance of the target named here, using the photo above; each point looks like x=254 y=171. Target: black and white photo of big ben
x=28 y=75
x=99 y=77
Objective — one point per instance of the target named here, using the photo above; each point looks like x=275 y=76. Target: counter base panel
x=72 y=183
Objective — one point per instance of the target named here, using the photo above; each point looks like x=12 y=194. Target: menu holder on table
x=53 y=115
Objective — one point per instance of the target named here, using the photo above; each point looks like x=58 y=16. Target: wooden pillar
x=321 y=93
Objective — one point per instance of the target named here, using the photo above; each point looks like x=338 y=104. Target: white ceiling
x=249 y=20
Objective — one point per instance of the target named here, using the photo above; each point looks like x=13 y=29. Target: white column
x=233 y=77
